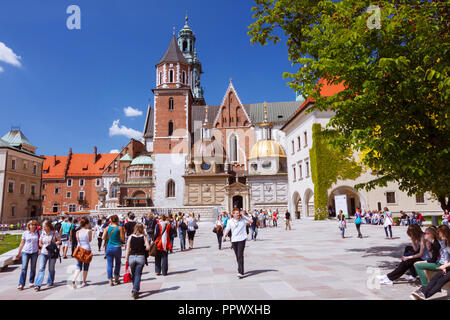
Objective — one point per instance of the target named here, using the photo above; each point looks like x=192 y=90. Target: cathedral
x=227 y=155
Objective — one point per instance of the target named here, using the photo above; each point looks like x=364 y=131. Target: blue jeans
x=161 y=262
x=136 y=264
x=113 y=257
x=219 y=239
x=254 y=233
x=82 y=266
x=43 y=258
x=182 y=235
x=26 y=257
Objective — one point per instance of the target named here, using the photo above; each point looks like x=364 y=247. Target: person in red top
x=275 y=218
x=163 y=246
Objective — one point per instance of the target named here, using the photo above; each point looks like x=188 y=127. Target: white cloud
x=115 y=130
x=131 y=112
x=114 y=151
x=8 y=56
x=1 y=69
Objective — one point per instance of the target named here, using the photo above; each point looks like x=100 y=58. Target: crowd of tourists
x=45 y=243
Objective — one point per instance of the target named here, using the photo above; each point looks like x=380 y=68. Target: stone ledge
x=8 y=258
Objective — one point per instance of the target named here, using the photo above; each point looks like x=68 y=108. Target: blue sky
x=69 y=86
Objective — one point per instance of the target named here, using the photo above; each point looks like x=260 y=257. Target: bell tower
x=171 y=137
x=186 y=42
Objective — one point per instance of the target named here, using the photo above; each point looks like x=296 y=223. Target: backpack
x=58 y=226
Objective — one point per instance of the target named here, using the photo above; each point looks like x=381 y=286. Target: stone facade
x=20 y=180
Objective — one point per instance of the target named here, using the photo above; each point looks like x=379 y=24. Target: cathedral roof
x=148 y=129
x=173 y=53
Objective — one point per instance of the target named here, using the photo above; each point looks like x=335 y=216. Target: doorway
x=238 y=202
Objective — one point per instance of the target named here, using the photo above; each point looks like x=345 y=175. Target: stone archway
x=297 y=205
x=354 y=199
x=308 y=203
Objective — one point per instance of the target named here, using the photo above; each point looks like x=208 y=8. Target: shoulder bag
x=154 y=246
x=107 y=238
x=81 y=254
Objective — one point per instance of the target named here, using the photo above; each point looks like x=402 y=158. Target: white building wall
x=107 y=182
x=169 y=166
x=368 y=199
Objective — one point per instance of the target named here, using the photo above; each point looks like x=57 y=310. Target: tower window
x=183 y=77
x=160 y=78
x=171 y=76
x=170 y=192
x=233 y=148
x=170 y=128
x=185 y=46
x=170 y=103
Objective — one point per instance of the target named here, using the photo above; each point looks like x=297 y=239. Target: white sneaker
x=410 y=278
x=381 y=277
x=386 y=282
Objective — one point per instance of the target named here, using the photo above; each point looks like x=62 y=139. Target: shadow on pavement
x=182 y=271
x=256 y=272
x=149 y=293
x=382 y=251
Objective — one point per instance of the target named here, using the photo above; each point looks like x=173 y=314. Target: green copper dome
x=126 y=158
x=142 y=160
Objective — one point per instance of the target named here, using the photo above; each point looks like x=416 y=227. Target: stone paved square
x=310 y=261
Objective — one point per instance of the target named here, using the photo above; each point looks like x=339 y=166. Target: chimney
x=70 y=151
x=95 y=155
x=54 y=160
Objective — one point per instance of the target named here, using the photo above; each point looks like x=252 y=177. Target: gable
x=232 y=112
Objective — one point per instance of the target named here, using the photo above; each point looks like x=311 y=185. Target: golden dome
x=267 y=148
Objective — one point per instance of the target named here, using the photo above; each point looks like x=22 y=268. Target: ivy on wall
x=328 y=164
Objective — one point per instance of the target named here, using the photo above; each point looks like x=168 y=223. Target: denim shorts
x=82 y=266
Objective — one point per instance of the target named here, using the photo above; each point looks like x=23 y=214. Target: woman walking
x=341 y=223
x=388 y=222
x=238 y=225
x=173 y=232
x=113 y=235
x=218 y=230
x=182 y=228
x=84 y=237
x=137 y=245
x=28 y=250
x=99 y=232
x=49 y=238
x=192 y=227
x=162 y=242
x=358 y=222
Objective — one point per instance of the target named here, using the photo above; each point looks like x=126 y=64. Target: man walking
x=238 y=225
x=287 y=217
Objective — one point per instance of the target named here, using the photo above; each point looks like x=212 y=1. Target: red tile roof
x=81 y=164
x=327 y=90
x=54 y=170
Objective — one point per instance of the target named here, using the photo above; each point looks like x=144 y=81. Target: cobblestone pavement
x=311 y=261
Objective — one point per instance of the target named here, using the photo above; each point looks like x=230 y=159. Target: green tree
x=395 y=106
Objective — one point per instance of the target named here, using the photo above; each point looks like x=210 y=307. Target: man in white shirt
x=238 y=227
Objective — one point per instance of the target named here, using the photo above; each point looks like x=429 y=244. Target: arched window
x=233 y=148
x=113 y=193
x=170 y=103
x=170 y=128
x=185 y=46
x=170 y=190
x=171 y=76
x=183 y=77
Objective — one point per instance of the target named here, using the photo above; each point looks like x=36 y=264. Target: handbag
x=154 y=246
x=53 y=250
x=81 y=254
x=127 y=275
x=195 y=225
